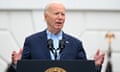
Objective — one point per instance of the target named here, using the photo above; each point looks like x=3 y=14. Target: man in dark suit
x=36 y=45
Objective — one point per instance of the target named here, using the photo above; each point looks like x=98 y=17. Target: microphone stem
x=55 y=54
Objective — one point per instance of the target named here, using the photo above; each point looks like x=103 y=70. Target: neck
x=54 y=31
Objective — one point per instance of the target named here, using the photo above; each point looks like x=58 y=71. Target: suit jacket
x=35 y=47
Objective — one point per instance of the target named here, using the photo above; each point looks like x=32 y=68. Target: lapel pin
x=66 y=41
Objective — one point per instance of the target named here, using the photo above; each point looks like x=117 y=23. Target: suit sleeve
x=26 y=49
x=11 y=68
x=82 y=55
x=81 y=51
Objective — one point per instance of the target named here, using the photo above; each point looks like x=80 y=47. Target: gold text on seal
x=55 y=69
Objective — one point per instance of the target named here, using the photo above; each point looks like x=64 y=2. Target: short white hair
x=50 y=3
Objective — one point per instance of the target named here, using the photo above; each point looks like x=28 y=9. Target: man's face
x=55 y=17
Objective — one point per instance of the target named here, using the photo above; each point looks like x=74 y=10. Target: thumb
x=20 y=51
x=98 y=52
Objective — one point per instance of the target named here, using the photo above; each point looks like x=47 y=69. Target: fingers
x=103 y=56
x=99 y=58
x=97 y=54
x=16 y=56
x=14 y=53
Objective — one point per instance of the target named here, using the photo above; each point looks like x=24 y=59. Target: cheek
x=52 y=19
x=64 y=19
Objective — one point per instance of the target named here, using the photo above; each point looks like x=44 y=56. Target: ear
x=45 y=15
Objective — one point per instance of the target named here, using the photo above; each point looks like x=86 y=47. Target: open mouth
x=58 y=22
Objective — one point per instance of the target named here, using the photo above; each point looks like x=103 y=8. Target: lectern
x=55 y=66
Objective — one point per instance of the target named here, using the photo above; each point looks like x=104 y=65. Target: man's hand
x=99 y=58
x=16 y=56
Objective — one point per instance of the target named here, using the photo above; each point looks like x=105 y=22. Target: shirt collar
x=52 y=36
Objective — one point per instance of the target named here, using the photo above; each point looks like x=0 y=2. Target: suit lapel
x=43 y=37
x=67 y=46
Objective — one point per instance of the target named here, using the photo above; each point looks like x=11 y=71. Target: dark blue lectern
x=55 y=66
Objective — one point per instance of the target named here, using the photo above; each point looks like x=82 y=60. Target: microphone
x=50 y=45
x=61 y=45
x=52 y=49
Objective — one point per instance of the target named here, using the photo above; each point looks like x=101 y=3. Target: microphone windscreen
x=61 y=43
x=50 y=43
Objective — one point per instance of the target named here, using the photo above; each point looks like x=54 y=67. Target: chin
x=58 y=29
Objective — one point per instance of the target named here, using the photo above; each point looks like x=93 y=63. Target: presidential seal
x=55 y=69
